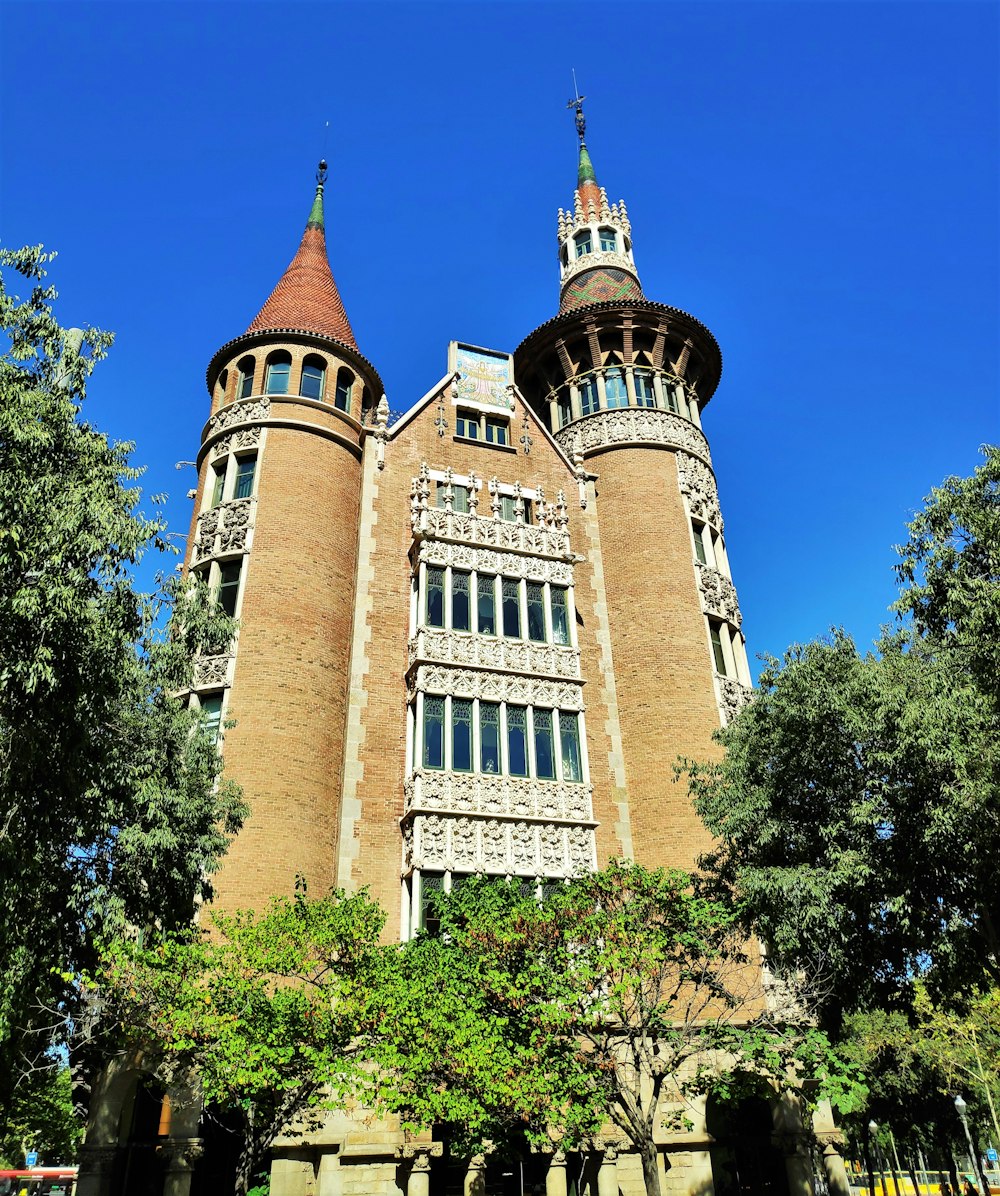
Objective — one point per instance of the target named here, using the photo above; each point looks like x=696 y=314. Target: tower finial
x=321 y=173
x=577 y=103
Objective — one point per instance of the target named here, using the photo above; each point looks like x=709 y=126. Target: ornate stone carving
x=211 y=672
x=181 y=1154
x=698 y=482
x=633 y=425
x=226 y=528
x=477 y=651
x=733 y=696
x=381 y=431
x=500 y=796
x=718 y=594
x=490 y=560
x=497 y=687
x=244 y=411
x=596 y=260
x=516 y=848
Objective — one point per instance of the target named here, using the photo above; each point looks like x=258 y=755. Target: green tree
x=42 y=1118
x=111 y=810
x=623 y=993
x=255 y=1016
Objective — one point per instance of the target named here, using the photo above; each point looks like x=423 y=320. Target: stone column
x=419 y=1181
x=555 y=1177
x=97 y=1164
x=179 y=1156
x=607 y=1177
x=475 y=1176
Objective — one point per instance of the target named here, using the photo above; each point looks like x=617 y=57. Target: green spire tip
x=586 y=172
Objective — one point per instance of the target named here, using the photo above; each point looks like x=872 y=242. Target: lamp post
x=961 y=1108
x=873 y=1149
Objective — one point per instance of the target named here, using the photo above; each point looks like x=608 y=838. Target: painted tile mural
x=485 y=376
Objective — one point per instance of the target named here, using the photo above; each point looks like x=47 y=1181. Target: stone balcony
x=493 y=653
x=496 y=796
x=632 y=425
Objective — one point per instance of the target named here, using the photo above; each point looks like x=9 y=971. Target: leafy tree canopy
x=111 y=814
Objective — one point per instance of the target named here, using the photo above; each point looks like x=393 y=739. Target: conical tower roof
x=586 y=181
x=306 y=298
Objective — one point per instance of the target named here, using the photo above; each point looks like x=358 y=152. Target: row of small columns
x=418 y=1182
x=665 y=388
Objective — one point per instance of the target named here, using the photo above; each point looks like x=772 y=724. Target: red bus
x=39 y=1181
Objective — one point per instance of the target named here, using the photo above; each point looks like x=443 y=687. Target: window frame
x=319 y=365
x=273 y=367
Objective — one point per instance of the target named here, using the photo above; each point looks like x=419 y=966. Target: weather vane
x=577 y=103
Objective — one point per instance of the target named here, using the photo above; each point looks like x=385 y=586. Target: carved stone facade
x=442 y=842
x=733 y=696
x=224 y=530
x=697 y=484
x=498 y=796
x=633 y=425
x=718 y=594
x=490 y=560
x=245 y=411
x=492 y=652
x=497 y=687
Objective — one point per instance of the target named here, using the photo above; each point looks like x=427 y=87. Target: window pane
x=487 y=605
x=608 y=241
x=461 y=608
x=246 y=467
x=467 y=424
x=496 y=431
x=517 y=741
x=720 y=656
x=614 y=387
x=699 y=544
x=431 y=883
x=668 y=390
x=461 y=735
x=433 y=732
x=582 y=243
x=244 y=387
x=211 y=708
x=277 y=377
x=589 y=401
x=460 y=499
x=569 y=742
x=536 y=612
x=545 y=763
x=219 y=480
x=311 y=386
x=644 y=388
x=507 y=508
x=564 y=407
x=229 y=586
x=511 y=609
x=435 y=597
x=560 y=615
x=489 y=737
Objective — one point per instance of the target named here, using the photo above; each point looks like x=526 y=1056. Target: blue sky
x=817 y=182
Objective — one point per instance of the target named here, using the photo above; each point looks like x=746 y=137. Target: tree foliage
x=621 y=991
x=111 y=810
x=42 y=1119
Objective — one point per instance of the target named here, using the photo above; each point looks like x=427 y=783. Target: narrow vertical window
x=609 y=242
x=461 y=606
x=582 y=243
x=517 y=741
x=671 y=396
x=218 y=482
x=644 y=388
x=511 y=608
x=496 y=431
x=460 y=499
x=569 y=745
x=508 y=510
x=614 y=388
x=699 y=543
x=536 y=612
x=435 y=597
x=211 y=708
x=246 y=467
x=342 y=393
x=431 y=883
x=467 y=424
x=564 y=405
x=545 y=760
x=313 y=377
x=279 y=367
x=489 y=737
x=589 y=399
x=560 y=615
x=433 y=732
x=717 y=652
x=229 y=586
x=486 y=604
x=461 y=735
x=244 y=383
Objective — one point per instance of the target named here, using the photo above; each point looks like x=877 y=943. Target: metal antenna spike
x=577 y=103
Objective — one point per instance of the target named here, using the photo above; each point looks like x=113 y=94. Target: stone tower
x=275 y=535
x=621 y=382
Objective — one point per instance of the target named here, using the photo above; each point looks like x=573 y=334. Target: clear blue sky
x=817 y=182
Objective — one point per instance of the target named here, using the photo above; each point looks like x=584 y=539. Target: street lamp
x=873 y=1149
x=961 y=1108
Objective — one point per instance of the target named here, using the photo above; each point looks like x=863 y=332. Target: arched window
x=564 y=256
x=313 y=378
x=614 y=388
x=609 y=242
x=279 y=367
x=583 y=243
x=342 y=395
x=244 y=383
x=223 y=380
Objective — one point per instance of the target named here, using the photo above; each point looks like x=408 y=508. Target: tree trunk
x=650 y=1169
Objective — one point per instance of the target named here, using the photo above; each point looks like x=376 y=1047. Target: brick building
x=474 y=635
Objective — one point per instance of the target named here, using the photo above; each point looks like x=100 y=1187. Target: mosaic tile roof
x=602 y=285
x=306 y=296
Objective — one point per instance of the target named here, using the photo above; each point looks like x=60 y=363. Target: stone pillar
x=292 y=1173
x=419 y=1181
x=607 y=1177
x=555 y=1177
x=179 y=1156
x=475 y=1176
x=97 y=1164
x=798 y=1166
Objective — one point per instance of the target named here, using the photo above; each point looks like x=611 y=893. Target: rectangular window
x=461 y=735
x=211 y=708
x=615 y=389
x=433 y=732
x=517 y=741
x=668 y=390
x=589 y=398
x=717 y=652
x=431 y=883
x=467 y=424
x=246 y=467
x=229 y=586
x=511 y=598
x=569 y=744
x=486 y=604
x=699 y=543
x=564 y=406
x=545 y=760
x=536 y=612
x=435 y=597
x=461 y=604
x=560 y=615
x=496 y=431
x=608 y=242
x=489 y=737
x=644 y=388
x=244 y=387
x=508 y=510
x=218 y=483
x=460 y=499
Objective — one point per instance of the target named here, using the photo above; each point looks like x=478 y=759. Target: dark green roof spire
x=316 y=214
x=585 y=174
